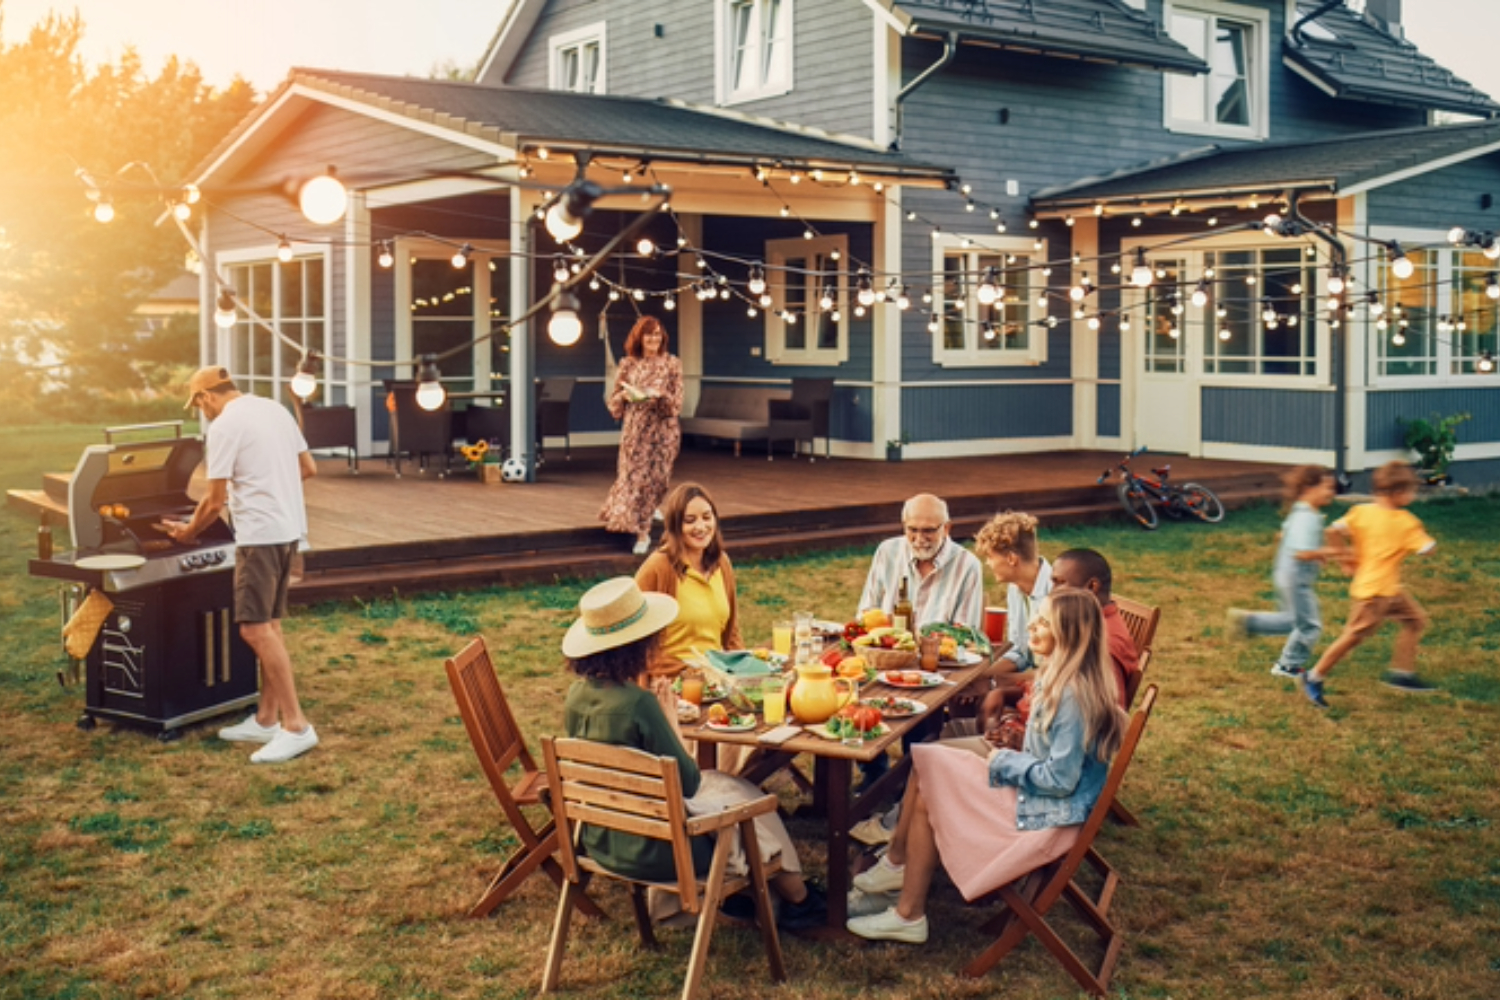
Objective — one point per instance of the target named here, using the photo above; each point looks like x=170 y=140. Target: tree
x=68 y=285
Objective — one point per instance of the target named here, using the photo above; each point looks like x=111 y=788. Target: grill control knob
x=184 y=563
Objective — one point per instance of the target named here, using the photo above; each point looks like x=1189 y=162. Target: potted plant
x=483 y=460
x=893 y=447
x=1433 y=440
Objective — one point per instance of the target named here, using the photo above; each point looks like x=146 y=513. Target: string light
x=866 y=293
x=560 y=271
x=387 y=258
x=1200 y=294
x=1336 y=280
x=182 y=211
x=104 y=211
x=1486 y=362
x=757 y=282
x=430 y=391
x=989 y=291
x=1401 y=265
x=323 y=200
x=305 y=382
x=564 y=327
x=284 y=251
x=460 y=258
x=224 y=310
x=1141 y=275
x=645 y=246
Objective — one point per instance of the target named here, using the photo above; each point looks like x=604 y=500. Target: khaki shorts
x=261 y=575
x=1365 y=616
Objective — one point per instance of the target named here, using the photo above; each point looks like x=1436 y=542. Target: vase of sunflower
x=484 y=461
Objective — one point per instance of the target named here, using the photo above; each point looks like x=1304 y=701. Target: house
x=1110 y=223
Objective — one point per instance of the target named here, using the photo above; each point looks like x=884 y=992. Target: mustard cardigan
x=656 y=574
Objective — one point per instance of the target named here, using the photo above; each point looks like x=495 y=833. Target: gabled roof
x=1346 y=55
x=513 y=118
x=1093 y=30
x=1334 y=167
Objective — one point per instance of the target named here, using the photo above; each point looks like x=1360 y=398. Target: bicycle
x=1140 y=495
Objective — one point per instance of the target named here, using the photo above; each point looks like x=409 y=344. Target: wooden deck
x=374 y=532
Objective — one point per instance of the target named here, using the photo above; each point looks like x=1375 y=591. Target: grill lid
x=147 y=480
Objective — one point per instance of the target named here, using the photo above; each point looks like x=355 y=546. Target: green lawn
x=1283 y=852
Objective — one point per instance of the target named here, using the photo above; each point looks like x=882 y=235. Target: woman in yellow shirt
x=692 y=566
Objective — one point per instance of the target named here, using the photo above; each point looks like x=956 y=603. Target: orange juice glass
x=781 y=638
x=692 y=688
x=773 y=702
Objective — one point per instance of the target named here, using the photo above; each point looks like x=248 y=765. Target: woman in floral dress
x=648 y=395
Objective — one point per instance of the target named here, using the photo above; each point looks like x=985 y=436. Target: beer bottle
x=901 y=616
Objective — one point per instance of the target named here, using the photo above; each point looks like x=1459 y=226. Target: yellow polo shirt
x=1382 y=540
x=702 y=615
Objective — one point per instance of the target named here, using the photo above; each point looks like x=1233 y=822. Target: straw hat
x=616 y=613
x=204 y=379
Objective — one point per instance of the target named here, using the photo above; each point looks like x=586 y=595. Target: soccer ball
x=513 y=471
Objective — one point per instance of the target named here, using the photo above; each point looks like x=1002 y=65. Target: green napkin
x=738 y=663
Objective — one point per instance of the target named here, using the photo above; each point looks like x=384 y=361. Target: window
x=808 y=323
x=1261 y=314
x=754 y=51
x=1473 y=327
x=448 y=308
x=972 y=333
x=1230 y=99
x=1409 y=343
x=1166 y=317
x=577 y=61
x=290 y=297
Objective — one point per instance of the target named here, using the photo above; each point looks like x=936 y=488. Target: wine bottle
x=901 y=616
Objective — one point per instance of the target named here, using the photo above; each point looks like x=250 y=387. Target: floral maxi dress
x=649 y=442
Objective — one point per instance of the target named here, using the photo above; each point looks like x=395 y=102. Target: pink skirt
x=975 y=824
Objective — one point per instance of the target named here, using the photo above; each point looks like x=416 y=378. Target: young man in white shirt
x=257 y=460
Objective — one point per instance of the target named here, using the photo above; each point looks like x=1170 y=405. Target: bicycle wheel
x=1138 y=505
x=1201 y=502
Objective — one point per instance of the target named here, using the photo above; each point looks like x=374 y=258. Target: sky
x=262 y=39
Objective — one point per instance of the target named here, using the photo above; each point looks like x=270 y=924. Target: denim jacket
x=1057 y=778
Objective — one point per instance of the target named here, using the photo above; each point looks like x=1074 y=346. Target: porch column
x=522 y=356
x=1358 y=333
x=886 y=329
x=690 y=325
x=1085 y=342
x=356 y=342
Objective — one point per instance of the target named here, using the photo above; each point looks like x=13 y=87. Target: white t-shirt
x=255 y=444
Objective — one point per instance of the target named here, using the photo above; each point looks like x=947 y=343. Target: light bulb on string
x=866 y=294
x=825 y=302
x=757 y=283
x=593 y=284
x=859 y=312
x=1224 y=333
x=387 y=258
x=460 y=258
x=639 y=294
x=1458 y=235
x=669 y=303
x=1336 y=280
x=988 y=292
x=284 y=251
x=182 y=211
x=104 y=210
x=933 y=326
x=1401 y=265
x=1491 y=249
x=1124 y=324
x=305 y=382
x=614 y=295
x=564 y=327
x=1398 y=338
x=324 y=199
x=765 y=300
x=645 y=246
x=988 y=330
x=565 y=216
x=560 y=271
x=1486 y=362
x=430 y=391
x=224 y=310
x=903 y=301
x=1141 y=275
x=1492 y=285
x=1200 y=294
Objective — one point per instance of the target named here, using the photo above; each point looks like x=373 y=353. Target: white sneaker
x=882 y=876
x=889 y=926
x=285 y=746
x=864 y=904
x=250 y=731
x=658 y=516
x=872 y=832
x=642 y=546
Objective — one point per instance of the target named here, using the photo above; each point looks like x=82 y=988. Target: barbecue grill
x=169 y=653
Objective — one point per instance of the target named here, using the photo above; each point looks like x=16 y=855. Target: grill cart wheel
x=169 y=736
x=86 y=722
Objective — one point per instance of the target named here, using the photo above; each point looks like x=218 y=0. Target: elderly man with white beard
x=945 y=582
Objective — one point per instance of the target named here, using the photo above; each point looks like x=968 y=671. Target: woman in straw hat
x=610 y=647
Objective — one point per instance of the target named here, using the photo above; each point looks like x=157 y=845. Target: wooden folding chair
x=498 y=744
x=1026 y=912
x=1140 y=619
x=629 y=790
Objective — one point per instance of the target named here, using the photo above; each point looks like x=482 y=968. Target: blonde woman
x=990 y=822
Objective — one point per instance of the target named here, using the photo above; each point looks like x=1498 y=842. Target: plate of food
x=723 y=720
x=713 y=690
x=894 y=708
x=961 y=658
x=911 y=679
x=687 y=711
x=840 y=726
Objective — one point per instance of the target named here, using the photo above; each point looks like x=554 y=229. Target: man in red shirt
x=1088 y=570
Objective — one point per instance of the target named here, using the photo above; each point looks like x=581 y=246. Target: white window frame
x=1191 y=257
x=225 y=261
x=778 y=252
x=1443 y=375
x=481 y=316
x=725 y=92
x=971 y=355
x=1258 y=70
x=559 y=45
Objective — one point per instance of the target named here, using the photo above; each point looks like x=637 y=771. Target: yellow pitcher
x=817 y=696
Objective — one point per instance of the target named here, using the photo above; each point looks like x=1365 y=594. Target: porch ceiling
x=1215 y=176
x=660 y=131
x=1092 y=30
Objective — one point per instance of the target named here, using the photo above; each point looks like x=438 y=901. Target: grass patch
x=1283 y=852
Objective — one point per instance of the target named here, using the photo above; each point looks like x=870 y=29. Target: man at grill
x=257 y=460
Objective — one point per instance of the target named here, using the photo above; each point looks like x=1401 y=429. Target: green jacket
x=629 y=715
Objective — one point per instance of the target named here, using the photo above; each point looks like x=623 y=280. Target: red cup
x=994 y=624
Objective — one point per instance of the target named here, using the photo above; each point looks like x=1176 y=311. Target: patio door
x=1167 y=397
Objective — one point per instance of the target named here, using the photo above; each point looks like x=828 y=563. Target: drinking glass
x=930 y=645
x=802 y=623
x=773 y=702
x=781 y=638
x=692 y=688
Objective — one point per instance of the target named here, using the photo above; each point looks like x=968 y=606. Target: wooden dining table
x=833 y=767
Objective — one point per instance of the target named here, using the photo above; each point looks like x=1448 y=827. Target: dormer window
x=754 y=50
x=1231 y=99
x=577 y=60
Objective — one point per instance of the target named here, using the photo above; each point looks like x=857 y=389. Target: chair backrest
x=325 y=426
x=738 y=402
x=554 y=398
x=1068 y=867
x=623 y=789
x=1140 y=619
x=1134 y=678
x=492 y=728
x=487 y=423
x=415 y=430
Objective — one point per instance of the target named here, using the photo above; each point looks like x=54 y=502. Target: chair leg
x=643 y=917
x=768 y=936
x=559 y=937
x=713 y=890
x=1121 y=815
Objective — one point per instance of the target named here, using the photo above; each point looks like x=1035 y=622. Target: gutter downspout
x=1339 y=349
x=950 y=49
x=1296 y=31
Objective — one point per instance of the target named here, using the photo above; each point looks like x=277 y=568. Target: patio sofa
x=737 y=413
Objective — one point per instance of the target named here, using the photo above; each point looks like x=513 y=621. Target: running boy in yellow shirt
x=1383 y=534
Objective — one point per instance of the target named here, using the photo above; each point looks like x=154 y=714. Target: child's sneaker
x=1410 y=683
x=1313 y=689
x=1279 y=669
x=1237 y=619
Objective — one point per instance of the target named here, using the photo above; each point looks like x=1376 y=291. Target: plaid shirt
x=952 y=593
